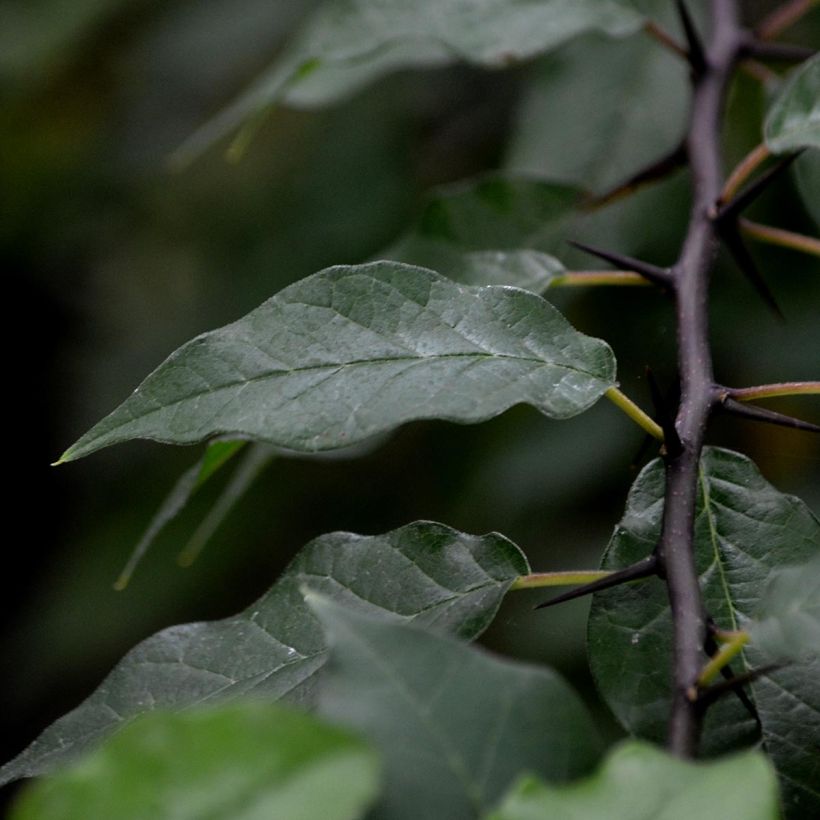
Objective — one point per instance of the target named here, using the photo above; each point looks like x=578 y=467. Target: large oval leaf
x=640 y=782
x=745 y=531
x=793 y=121
x=454 y=725
x=275 y=647
x=354 y=351
x=347 y=43
x=240 y=762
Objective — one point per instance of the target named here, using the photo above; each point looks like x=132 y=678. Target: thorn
x=711 y=648
x=785 y=52
x=708 y=696
x=762 y=414
x=664 y=417
x=727 y=213
x=659 y=276
x=743 y=259
x=640 y=569
x=657 y=170
x=695 y=53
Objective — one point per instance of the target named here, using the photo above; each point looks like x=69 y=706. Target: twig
x=782 y=18
x=744 y=169
x=778 y=236
x=538 y=580
x=769 y=391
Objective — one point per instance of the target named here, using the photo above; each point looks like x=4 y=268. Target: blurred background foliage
x=114 y=261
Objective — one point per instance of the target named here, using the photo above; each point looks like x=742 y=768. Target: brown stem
x=782 y=18
x=745 y=168
x=691 y=284
x=777 y=236
x=768 y=391
x=662 y=36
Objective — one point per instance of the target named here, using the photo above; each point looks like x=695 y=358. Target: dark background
x=113 y=261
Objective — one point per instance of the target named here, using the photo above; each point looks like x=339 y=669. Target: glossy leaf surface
x=454 y=725
x=640 y=782
x=745 y=531
x=351 y=352
x=245 y=761
x=275 y=648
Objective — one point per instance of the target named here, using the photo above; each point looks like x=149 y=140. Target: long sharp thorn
x=657 y=170
x=787 y=52
x=695 y=53
x=710 y=647
x=748 y=411
x=736 y=206
x=743 y=259
x=664 y=417
x=640 y=569
x=708 y=696
x=659 y=276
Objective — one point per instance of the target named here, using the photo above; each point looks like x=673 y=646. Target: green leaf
x=807 y=174
x=640 y=782
x=793 y=121
x=351 y=352
x=629 y=106
x=745 y=531
x=217 y=454
x=275 y=648
x=362 y=40
x=788 y=624
x=245 y=761
x=454 y=725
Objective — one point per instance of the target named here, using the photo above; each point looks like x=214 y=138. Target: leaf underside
x=745 y=531
x=275 y=648
x=351 y=352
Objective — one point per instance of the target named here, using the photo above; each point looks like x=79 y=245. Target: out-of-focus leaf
x=243 y=761
x=351 y=352
x=453 y=725
x=494 y=213
x=628 y=102
x=788 y=625
x=275 y=648
x=745 y=531
x=640 y=782
x=367 y=40
x=793 y=121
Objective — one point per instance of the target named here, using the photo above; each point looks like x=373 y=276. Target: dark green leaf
x=640 y=782
x=275 y=647
x=358 y=41
x=793 y=121
x=628 y=102
x=807 y=172
x=351 y=352
x=745 y=531
x=240 y=762
x=454 y=725
x=788 y=625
